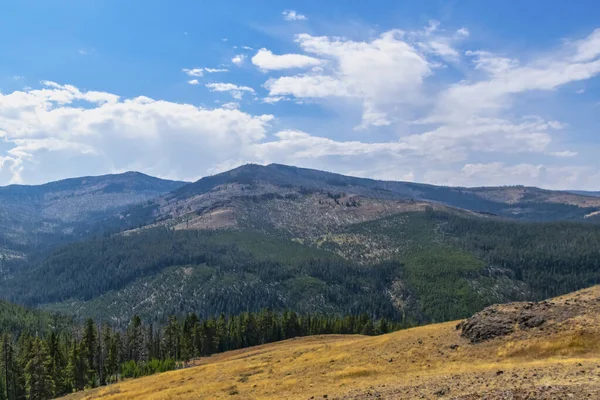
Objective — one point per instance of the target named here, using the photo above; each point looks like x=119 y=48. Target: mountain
x=311 y=241
x=545 y=350
x=37 y=217
x=297 y=200
x=585 y=193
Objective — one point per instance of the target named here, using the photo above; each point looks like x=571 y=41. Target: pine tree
x=89 y=348
x=171 y=339
x=75 y=370
x=368 y=328
x=135 y=340
x=8 y=368
x=56 y=368
x=38 y=379
x=114 y=357
x=382 y=327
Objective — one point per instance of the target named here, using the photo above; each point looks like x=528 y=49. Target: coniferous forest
x=37 y=365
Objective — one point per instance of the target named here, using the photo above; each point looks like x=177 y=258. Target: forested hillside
x=417 y=266
x=160 y=272
x=34 y=219
x=39 y=365
x=296 y=239
x=16 y=319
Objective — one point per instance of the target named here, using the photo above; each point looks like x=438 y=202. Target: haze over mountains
x=289 y=238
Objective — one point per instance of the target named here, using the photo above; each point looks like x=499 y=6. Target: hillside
x=555 y=356
x=421 y=266
x=38 y=217
x=276 y=195
x=290 y=238
x=15 y=319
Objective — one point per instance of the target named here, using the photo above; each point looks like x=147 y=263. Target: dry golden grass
x=412 y=362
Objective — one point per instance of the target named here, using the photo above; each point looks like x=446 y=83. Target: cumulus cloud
x=239 y=59
x=381 y=75
x=193 y=82
x=427 y=109
x=266 y=60
x=291 y=15
x=58 y=129
x=236 y=91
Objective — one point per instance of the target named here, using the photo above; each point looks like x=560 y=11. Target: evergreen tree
x=368 y=328
x=135 y=339
x=89 y=348
x=8 y=368
x=38 y=378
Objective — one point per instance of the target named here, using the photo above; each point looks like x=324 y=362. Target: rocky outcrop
x=501 y=320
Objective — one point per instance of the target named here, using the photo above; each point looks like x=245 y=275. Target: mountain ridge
x=287 y=237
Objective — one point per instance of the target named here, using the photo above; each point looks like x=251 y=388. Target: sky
x=461 y=93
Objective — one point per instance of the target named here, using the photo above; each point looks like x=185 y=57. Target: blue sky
x=455 y=93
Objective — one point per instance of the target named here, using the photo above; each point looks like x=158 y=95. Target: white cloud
x=59 y=129
x=198 y=72
x=491 y=63
x=307 y=86
x=266 y=60
x=232 y=105
x=272 y=100
x=463 y=32
x=587 y=49
x=381 y=75
x=10 y=170
x=247 y=48
x=509 y=77
x=193 y=81
x=291 y=15
x=236 y=91
x=443 y=113
x=239 y=59
x=565 y=153
x=213 y=70
x=580 y=91
x=500 y=174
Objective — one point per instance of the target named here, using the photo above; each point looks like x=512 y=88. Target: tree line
x=36 y=366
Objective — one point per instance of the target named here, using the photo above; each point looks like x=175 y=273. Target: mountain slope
x=423 y=266
x=38 y=217
x=393 y=249
x=15 y=319
x=229 y=199
x=558 y=358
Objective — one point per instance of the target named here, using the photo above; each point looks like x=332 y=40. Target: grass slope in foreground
x=558 y=359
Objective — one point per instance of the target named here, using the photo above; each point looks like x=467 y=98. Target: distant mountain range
x=585 y=193
x=290 y=238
